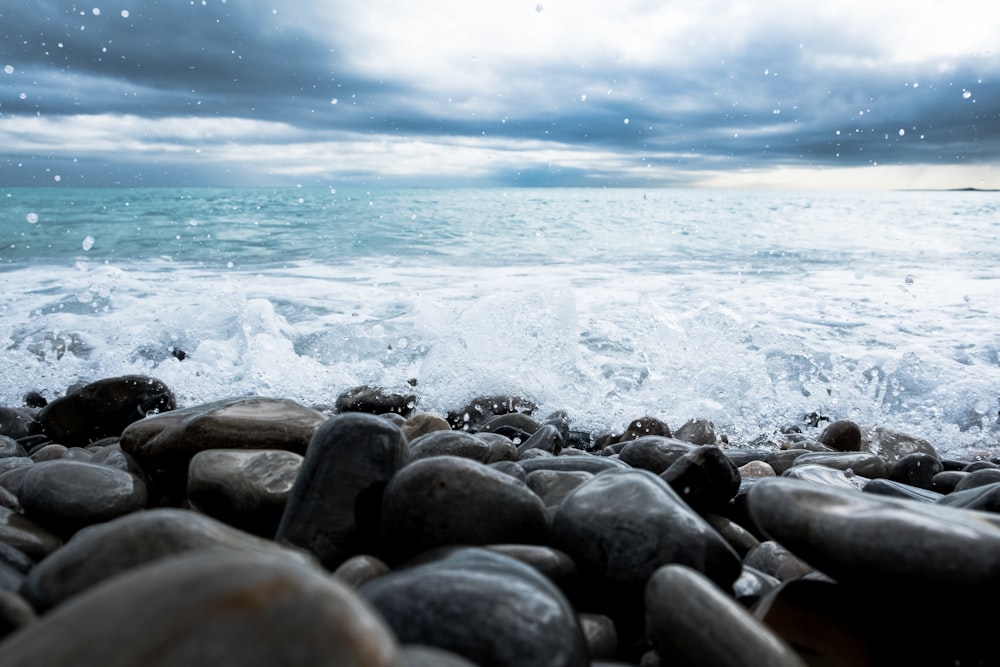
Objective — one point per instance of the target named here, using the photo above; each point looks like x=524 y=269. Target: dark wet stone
x=25 y=535
x=843 y=436
x=654 y=453
x=512 y=468
x=169 y=440
x=15 y=558
x=10 y=447
x=49 y=452
x=644 y=426
x=934 y=549
x=591 y=464
x=893 y=445
x=741 y=457
x=501 y=447
x=334 y=508
x=555 y=565
x=247 y=489
x=420 y=424
x=7 y=498
x=450 y=443
x=738 y=537
x=415 y=655
x=773 y=559
x=752 y=585
x=481 y=409
x=560 y=420
x=697 y=432
x=945 y=481
x=546 y=437
x=704 y=477
x=356 y=570
x=601 y=636
x=202 y=609
x=104 y=408
x=12 y=471
x=622 y=525
x=15 y=613
x=486 y=607
x=982 y=497
x=692 y=622
x=10 y=579
x=824 y=622
x=861 y=463
x=18 y=423
x=783 y=459
x=887 y=487
x=979 y=477
x=916 y=469
x=375 y=401
x=980 y=465
x=447 y=500
x=511 y=422
x=66 y=495
x=552 y=486
x=827 y=476
x=105 y=550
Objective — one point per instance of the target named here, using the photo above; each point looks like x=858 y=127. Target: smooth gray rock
x=450 y=443
x=985 y=498
x=207 y=609
x=66 y=495
x=26 y=536
x=887 y=487
x=772 y=558
x=334 y=507
x=697 y=432
x=843 y=436
x=916 y=469
x=893 y=445
x=447 y=500
x=552 y=486
x=591 y=464
x=864 y=464
x=105 y=550
x=654 y=453
x=704 y=477
x=690 y=621
x=247 y=489
x=827 y=476
x=486 y=607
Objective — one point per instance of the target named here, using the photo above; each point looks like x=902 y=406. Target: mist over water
x=748 y=308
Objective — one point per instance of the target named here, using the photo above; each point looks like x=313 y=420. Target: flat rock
x=26 y=536
x=450 y=443
x=65 y=495
x=335 y=505
x=247 y=489
x=690 y=621
x=654 y=453
x=105 y=550
x=169 y=440
x=868 y=540
x=206 y=609
x=447 y=500
x=486 y=607
x=104 y=408
x=865 y=464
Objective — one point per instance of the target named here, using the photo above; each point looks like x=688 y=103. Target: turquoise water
x=748 y=308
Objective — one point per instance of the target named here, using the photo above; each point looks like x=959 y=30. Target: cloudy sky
x=783 y=93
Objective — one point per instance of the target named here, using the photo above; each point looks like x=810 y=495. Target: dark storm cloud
x=762 y=103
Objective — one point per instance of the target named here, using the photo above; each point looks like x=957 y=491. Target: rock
x=843 y=436
x=556 y=566
x=978 y=477
x=356 y=570
x=945 y=481
x=644 y=426
x=697 y=432
x=893 y=445
x=479 y=410
x=519 y=422
x=15 y=613
x=691 y=622
x=784 y=459
x=423 y=423
x=817 y=474
x=546 y=438
x=334 y=507
x=450 y=443
x=942 y=552
x=247 y=489
x=104 y=408
x=552 y=486
x=704 y=477
x=49 y=452
x=105 y=550
x=775 y=560
x=375 y=401
x=447 y=500
x=622 y=525
x=860 y=463
x=752 y=585
x=10 y=447
x=588 y=463
x=486 y=607
x=17 y=423
x=26 y=536
x=654 y=453
x=170 y=440
x=415 y=655
x=756 y=470
x=738 y=537
x=204 y=609
x=66 y=495
x=985 y=498
x=601 y=636
x=501 y=447
x=916 y=469
x=887 y=487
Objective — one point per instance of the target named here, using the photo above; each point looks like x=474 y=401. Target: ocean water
x=751 y=309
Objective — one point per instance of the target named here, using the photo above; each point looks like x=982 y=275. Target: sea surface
x=751 y=309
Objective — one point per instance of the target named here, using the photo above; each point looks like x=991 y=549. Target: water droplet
x=908 y=279
x=124 y=13
x=88 y=243
x=8 y=69
x=966 y=94
x=23 y=96
x=333 y=101
x=583 y=98
x=96 y=11
x=626 y=121
x=32 y=218
x=902 y=132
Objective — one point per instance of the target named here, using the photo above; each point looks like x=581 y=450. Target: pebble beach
x=366 y=531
